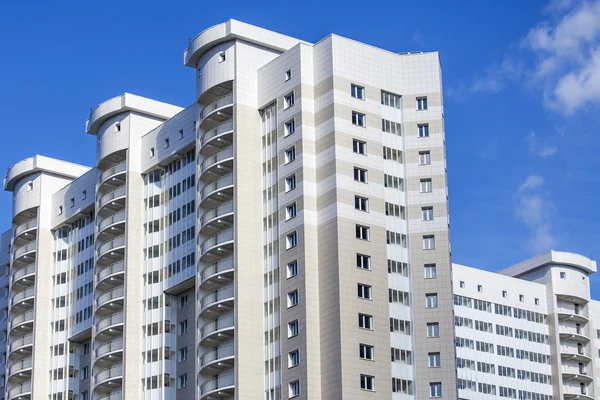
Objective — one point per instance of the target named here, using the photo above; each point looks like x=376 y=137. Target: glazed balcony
x=217 y=359
x=110 y=396
x=109 y=375
x=21 y=319
x=217 y=245
x=111 y=322
x=111 y=221
x=109 y=348
x=24 y=251
x=28 y=226
x=224 y=384
x=218 y=273
x=216 y=138
x=22 y=296
x=22 y=391
x=217 y=164
x=115 y=173
x=111 y=273
x=110 y=296
x=113 y=200
x=111 y=251
x=21 y=343
x=217 y=191
x=218 y=329
x=19 y=367
x=217 y=218
x=220 y=300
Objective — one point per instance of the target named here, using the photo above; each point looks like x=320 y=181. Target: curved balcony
x=109 y=348
x=220 y=357
x=218 y=189
x=110 y=246
x=24 y=250
x=21 y=319
x=576 y=392
x=210 y=111
x=116 y=268
x=113 y=294
x=111 y=220
x=216 y=138
x=217 y=273
x=572 y=335
x=109 y=322
x=222 y=241
x=221 y=383
x=217 y=218
x=570 y=312
x=20 y=343
x=23 y=273
x=111 y=396
x=221 y=327
x=20 y=366
x=26 y=226
x=23 y=295
x=109 y=374
x=111 y=172
x=569 y=353
x=217 y=164
x=221 y=300
x=23 y=391
x=113 y=195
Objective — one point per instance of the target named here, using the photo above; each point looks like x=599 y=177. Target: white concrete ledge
x=551 y=257
x=39 y=163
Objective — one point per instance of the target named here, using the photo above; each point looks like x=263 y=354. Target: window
x=434 y=360
x=536 y=301
x=290 y=154
x=84 y=195
x=118 y=127
x=359 y=119
x=290 y=212
x=60 y=210
x=293 y=358
x=504 y=294
x=390 y=99
x=152 y=152
x=421 y=103
x=462 y=284
x=424 y=158
x=182 y=354
x=426 y=186
x=365 y=321
x=288 y=75
x=292 y=298
x=427 y=213
x=182 y=381
x=221 y=56
x=291 y=240
x=72 y=202
x=290 y=183
x=181 y=133
x=293 y=328
x=166 y=143
x=29 y=186
x=183 y=327
x=364 y=291
x=521 y=298
x=359 y=146
x=563 y=275
x=395 y=128
x=360 y=175
x=183 y=301
x=367 y=382
x=430 y=271
x=433 y=329
x=363 y=261
x=86 y=348
x=292 y=269
x=479 y=288
x=366 y=352
x=357 y=92
x=294 y=389
x=423 y=130
x=361 y=203
x=289 y=128
x=288 y=100
x=431 y=300
x=428 y=242
x=362 y=232
x=435 y=389
x=85 y=372
x=85 y=395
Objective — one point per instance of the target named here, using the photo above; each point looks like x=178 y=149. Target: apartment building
x=284 y=236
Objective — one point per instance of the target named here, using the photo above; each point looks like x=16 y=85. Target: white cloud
x=540 y=146
x=532 y=182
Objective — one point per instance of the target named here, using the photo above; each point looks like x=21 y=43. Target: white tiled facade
x=284 y=236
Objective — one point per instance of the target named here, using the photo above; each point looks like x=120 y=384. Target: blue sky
x=521 y=87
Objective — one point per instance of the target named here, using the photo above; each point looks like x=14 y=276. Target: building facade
x=242 y=247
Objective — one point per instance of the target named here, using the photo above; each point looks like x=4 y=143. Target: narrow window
x=289 y=128
x=292 y=269
x=290 y=212
x=294 y=389
x=293 y=328
x=291 y=240
x=290 y=154
x=288 y=75
x=288 y=100
x=221 y=56
x=181 y=132
x=290 y=183
x=166 y=143
x=29 y=186
x=152 y=152
x=292 y=298
x=118 y=127
x=293 y=358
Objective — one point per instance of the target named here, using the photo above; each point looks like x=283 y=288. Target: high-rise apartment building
x=243 y=247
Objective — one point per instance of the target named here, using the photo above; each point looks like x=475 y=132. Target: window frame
x=359 y=119
x=357 y=91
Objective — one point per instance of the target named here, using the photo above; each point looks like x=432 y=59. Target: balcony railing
x=111 y=396
x=111 y=219
x=226 y=180
x=29 y=224
x=216 y=325
x=214 y=240
x=218 y=295
x=21 y=272
x=216 y=131
x=220 y=266
x=109 y=321
x=216 y=354
x=215 y=158
x=217 y=211
x=18 y=390
x=113 y=268
x=23 y=295
x=218 y=382
x=115 y=169
x=19 y=365
x=113 y=194
x=19 y=251
x=22 y=341
x=116 y=242
x=110 y=295
x=223 y=101
x=112 y=372
x=113 y=345
x=23 y=317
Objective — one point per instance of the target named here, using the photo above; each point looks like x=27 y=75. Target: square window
x=291 y=240
x=367 y=382
x=359 y=119
x=290 y=183
x=358 y=92
x=563 y=275
x=427 y=213
x=290 y=154
x=360 y=175
x=293 y=358
x=430 y=271
x=292 y=269
x=435 y=389
x=361 y=203
x=359 y=146
x=433 y=329
x=362 y=232
x=421 y=103
x=289 y=128
x=288 y=75
x=434 y=360
x=424 y=158
x=426 y=186
x=428 y=242
x=423 y=130
x=292 y=298
x=363 y=261
x=431 y=300
x=366 y=352
x=365 y=321
x=293 y=328
x=294 y=389
x=288 y=100
x=290 y=212
x=221 y=57
x=364 y=291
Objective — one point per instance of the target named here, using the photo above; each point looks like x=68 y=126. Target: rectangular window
x=292 y=298
x=428 y=242
x=365 y=321
x=291 y=240
x=479 y=288
x=288 y=100
x=359 y=146
x=364 y=291
x=361 y=203
x=84 y=195
x=221 y=56
x=182 y=381
x=421 y=103
x=435 y=389
x=430 y=271
x=294 y=389
x=290 y=183
x=426 y=186
x=395 y=128
x=427 y=213
x=85 y=372
x=293 y=328
x=292 y=269
x=182 y=354
x=290 y=212
x=118 y=127
x=290 y=154
x=366 y=352
x=362 y=232
x=360 y=175
x=462 y=284
x=359 y=119
x=183 y=301
x=293 y=358
x=151 y=152
x=390 y=99
x=289 y=128
x=521 y=298
x=358 y=92
x=166 y=143
x=423 y=130
x=367 y=382
x=504 y=294
x=424 y=158
x=183 y=327
x=563 y=275
x=363 y=261
x=181 y=134
x=434 y=360
x=431 y=300
x=433 y=329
